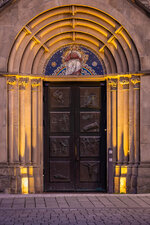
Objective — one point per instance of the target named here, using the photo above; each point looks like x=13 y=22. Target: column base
x=20 y=179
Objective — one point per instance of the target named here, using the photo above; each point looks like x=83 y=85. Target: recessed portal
x=74 y=136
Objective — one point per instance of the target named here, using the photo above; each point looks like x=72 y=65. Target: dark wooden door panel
x=89 y=171
x=89 y=121
x=60 y=171
x=60 y=97
x=59 y=122
x=75 y=151
x=59 y=146
x=90 y=97
x=89 y=146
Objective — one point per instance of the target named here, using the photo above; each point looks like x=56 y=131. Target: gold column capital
x=136 y=81
x=113 y=83
x=23 y=82
x=11 y=81
x=35 y=83
x=124 y=81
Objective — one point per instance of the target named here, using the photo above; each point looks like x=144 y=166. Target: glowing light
x=24 y=185
x=93 y=26
x=123 y=188
x=23 y=170
x=31 y=184
x=31 y=171
x=125 y=38
x=114 y=43
x=116 y=184
x=124 y=170
x=33 y=43
x=117 y=171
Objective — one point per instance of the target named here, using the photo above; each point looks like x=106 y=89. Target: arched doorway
x=31 y=57
x=75 y=123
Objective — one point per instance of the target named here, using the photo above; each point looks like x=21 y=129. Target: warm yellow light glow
x=32 y=44
x=63 y=10
x=124 y=170
x=116 y=184
x=50 y=27
x=31 y=184
x=24 y=185
x=123 y=185
x=31 y=171
x=23 y=170
x=125 y=38
x=93 y=26
x=119 y=29
x=102 y=48
x=114 y=43
x=90 y=11
x=117 y=170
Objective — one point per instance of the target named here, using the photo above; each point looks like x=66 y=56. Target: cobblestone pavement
x=74 y=209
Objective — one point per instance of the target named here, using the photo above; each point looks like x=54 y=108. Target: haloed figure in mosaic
x=73 y=59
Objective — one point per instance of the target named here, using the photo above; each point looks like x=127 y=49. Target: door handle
x=76 y=153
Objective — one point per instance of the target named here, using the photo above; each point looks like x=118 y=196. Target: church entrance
x=75 y=136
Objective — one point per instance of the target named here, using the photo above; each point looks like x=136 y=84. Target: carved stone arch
x=73 y=24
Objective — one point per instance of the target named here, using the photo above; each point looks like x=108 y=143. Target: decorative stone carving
x=11 y=81
x=124 y=81
x=113 y=83
x=23 y=82
x=35 y=83
x=136 y=81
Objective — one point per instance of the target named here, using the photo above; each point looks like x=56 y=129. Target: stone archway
x=34 y=44
x=61 y=26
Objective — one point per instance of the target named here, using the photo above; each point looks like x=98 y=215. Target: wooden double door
x=75 y=136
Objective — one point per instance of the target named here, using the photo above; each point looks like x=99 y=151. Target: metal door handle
x=76 y=153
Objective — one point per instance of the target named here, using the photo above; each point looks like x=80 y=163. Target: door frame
x=96 y=79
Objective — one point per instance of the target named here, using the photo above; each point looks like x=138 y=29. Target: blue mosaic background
x=92 y=66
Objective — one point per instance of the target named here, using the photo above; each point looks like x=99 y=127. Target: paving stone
x=75 y=210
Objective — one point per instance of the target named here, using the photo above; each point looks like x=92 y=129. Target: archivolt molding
x=73 y=24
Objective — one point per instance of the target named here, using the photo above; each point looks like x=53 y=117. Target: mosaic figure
x=74 y=60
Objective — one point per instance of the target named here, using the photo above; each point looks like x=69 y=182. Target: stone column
x=109 y=137
x=120 y=123
x=23 y=82
x=112 y=151
x=3 y=121
x=136 y=85
x=40 y=123
x=11 y=81
x=34 y=98
x=131 y=124
x=113 y=88
x=124 y=81
x=131 y=137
